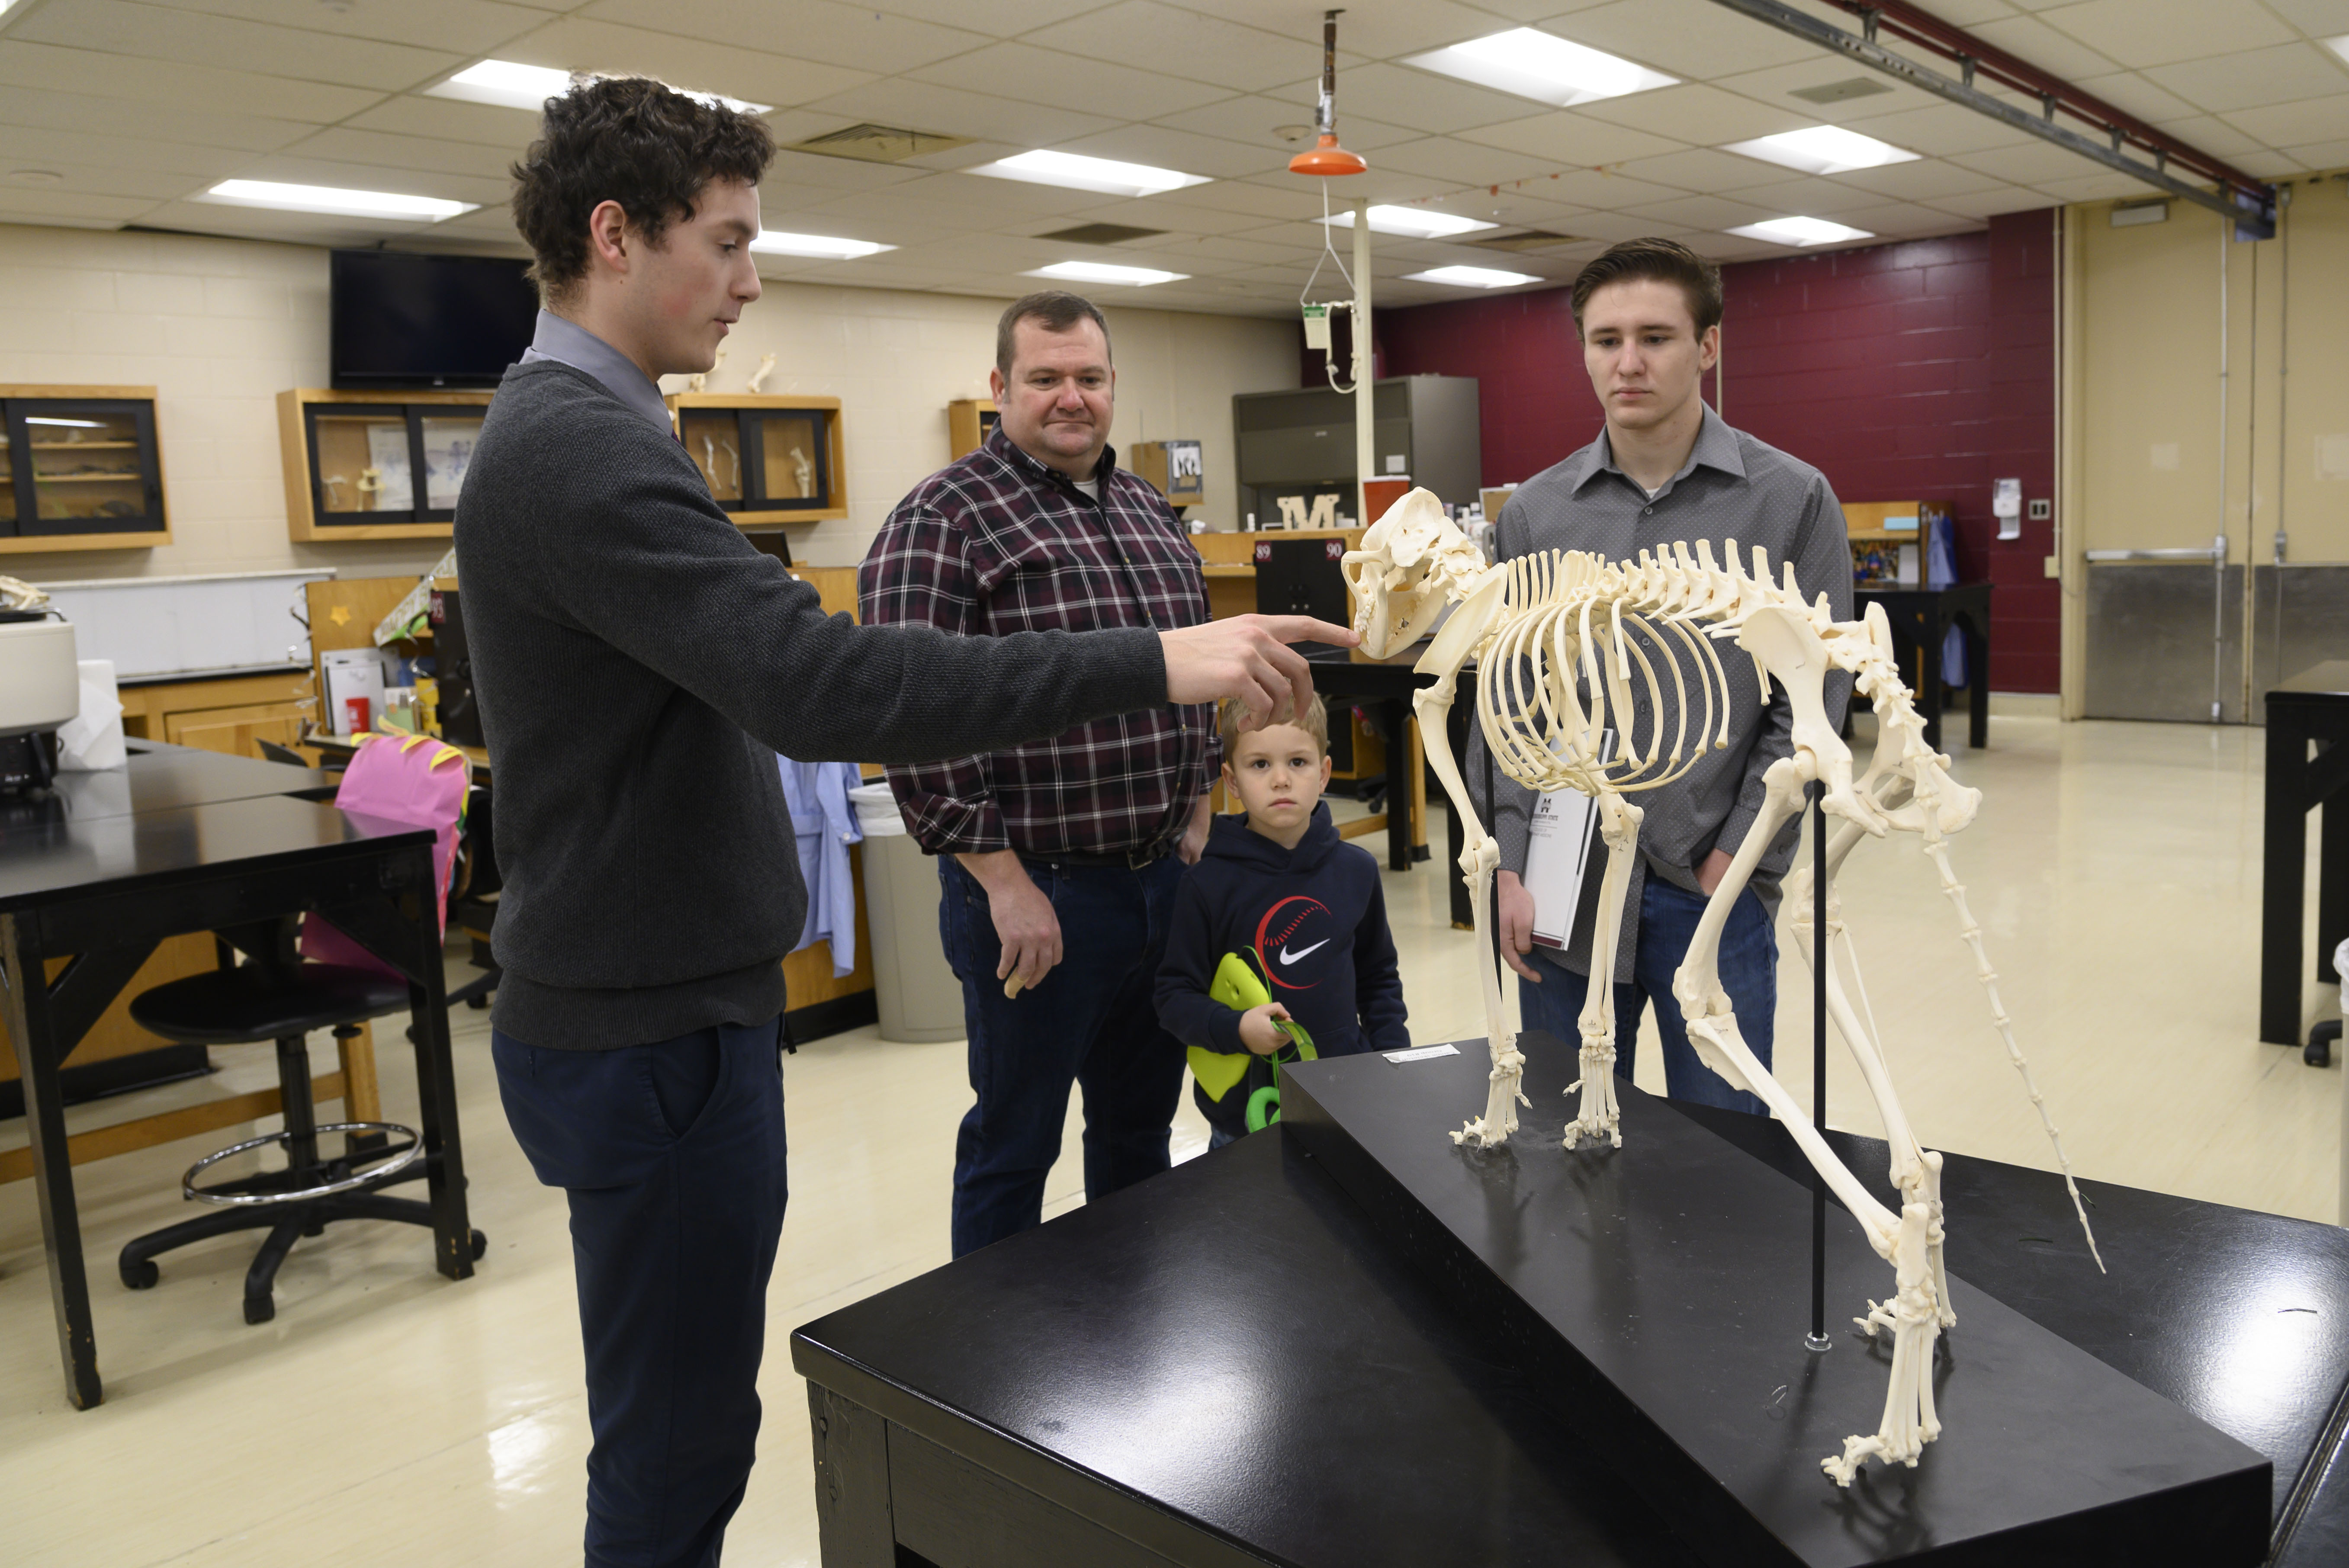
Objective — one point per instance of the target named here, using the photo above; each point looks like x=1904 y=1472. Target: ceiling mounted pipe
x=1326 y=159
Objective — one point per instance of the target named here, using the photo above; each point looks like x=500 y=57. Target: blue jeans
x=672 y=1157
x=1090 y=1022
x=1668 y=918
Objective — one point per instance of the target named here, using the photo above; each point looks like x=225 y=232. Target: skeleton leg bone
x=1598 y=1116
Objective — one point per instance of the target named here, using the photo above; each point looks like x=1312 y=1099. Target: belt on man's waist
x=1114 y=859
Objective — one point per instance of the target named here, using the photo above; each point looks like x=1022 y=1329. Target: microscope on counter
x=40 y=687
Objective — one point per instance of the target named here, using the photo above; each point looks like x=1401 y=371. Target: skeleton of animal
x=1541 y=626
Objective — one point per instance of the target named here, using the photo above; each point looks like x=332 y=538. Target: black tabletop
x=1232 y=1344
x=48 y=854
x=2330 y=679
x=157 y=777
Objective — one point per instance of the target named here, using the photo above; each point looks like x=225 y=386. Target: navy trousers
x=672 y=1157
x=1090 y=1022
x=1668 y=919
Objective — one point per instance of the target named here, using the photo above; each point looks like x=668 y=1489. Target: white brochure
x=1562 y=843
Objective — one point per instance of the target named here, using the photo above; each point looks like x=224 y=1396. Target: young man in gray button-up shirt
x=1667 y=467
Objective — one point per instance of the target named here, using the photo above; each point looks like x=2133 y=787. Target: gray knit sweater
x=638 y=665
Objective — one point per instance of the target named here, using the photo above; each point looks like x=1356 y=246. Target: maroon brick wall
x=1919 y=371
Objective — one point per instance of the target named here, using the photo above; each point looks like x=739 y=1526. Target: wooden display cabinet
x=376 y=465
x=1173 y=469
x=1880 y=531
x=968 y=422
x=766 y=459
x=80 y=468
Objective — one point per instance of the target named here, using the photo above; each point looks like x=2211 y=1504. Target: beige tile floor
x=388 y=1416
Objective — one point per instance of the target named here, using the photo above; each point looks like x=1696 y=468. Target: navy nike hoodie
x=1311 y=922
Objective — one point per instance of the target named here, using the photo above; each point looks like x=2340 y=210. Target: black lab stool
x=284 y=1003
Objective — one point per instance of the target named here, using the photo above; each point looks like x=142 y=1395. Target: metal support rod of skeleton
x=1543 y=631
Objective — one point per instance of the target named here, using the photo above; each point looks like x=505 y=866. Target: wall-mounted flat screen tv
x=406 y=320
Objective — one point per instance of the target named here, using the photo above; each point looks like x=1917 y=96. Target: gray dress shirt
x=569 y=343
x=1733 y=486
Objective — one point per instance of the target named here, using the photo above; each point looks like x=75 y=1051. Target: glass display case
x=77 y=467
x=766 y=459
x=377 y=466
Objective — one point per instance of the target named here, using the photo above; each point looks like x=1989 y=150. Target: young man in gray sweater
x=638 y=665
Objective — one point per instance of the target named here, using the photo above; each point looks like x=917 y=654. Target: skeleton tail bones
x=1541 y=628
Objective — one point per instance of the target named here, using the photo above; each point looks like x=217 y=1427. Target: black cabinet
x=376 y=466
x=766 y=459
x=77 y=466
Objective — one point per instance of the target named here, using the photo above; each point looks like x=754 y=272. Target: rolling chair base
x=2319 y=1051
x=286 y=1221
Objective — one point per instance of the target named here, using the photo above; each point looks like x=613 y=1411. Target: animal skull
x=1418 y=555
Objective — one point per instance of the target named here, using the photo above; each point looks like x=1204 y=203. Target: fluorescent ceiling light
x=2339 y=45
x=44 y=419
x=1103 y=272
x=1823 y=149
x=1471 y=277
x=509 y=84
x=1542 y=66
x=1801 y=232
x=1418 y=223
x=1078 y=172
x=328 y=199
x=784 y=244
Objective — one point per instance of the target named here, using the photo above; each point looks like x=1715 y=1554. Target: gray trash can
x=918 y=997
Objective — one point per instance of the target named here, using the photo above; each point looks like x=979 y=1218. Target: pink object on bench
x=408 y=779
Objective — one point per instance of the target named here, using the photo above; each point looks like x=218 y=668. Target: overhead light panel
x=2339 y=45
x=1471 y=277
x=1417 y=223
x=1542 y=66
x=775 y=241
x=1075 y=171
x=509 y=84
x=1801 y=232
x=1823 y=149
x=1103 y=272
x=385 y=204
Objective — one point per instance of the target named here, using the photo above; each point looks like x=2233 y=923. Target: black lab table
x=1230 y=1365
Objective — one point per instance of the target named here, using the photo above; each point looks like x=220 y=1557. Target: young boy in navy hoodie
x=1277 y=949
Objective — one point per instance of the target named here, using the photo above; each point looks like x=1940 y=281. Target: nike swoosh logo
x=1287 y=957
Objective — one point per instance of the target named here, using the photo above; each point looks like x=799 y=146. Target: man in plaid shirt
x=1058 y=860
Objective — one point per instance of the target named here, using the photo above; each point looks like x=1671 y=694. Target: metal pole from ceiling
x=1366 y=367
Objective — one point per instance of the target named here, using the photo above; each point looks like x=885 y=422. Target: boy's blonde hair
x=1314 y=721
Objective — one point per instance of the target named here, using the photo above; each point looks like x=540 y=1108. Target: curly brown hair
x=632 y=141
x=1665 y=260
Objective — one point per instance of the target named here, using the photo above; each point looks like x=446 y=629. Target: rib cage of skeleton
x=1561 y=641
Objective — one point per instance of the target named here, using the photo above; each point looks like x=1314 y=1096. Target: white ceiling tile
x=2318 y=18
x=1697 y=113
x=448 y=120
x=263 y=224
x=994 y=19
x=104 y=179
x=1944 y=129
x=21 y=204
x=1157 y=38
x=1902 y=220
x=2138 y=33
x=1920 y=181
x=1463 y=162
x=2323 y=154
x=2028 y=164
x=1166 y=148
x=88 y=114
x=858 y=37
x=295 y=169
x=160 y=33
x=576 y=44
x=424 y=154
x=1705 y=212
x=2269 y=164
x=1991 y=203
x=2284 y=124
x=1381 y=32
x=1025 y=72
x=2132 y=94
x=1693 y=39
x=949 y=111
x=1698 y=169
x=1778 y=84
x=839 y=173
x=27 y=147
x=2209 y=134
x=1575 y=139
x=1252 y=121
x=2279 y=75
x=2034 y=41
x=1813 y=198
x=1402 y=95
x=2106 y=187
x=1170 y=217
x=466 y=27
x=1378 y=185
x=170 y=85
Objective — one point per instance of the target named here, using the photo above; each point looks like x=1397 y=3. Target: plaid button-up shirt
x=994 y=543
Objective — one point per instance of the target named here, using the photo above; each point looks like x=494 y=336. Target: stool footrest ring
x=383 y=1163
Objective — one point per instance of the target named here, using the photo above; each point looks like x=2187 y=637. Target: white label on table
x=1421 y=1053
